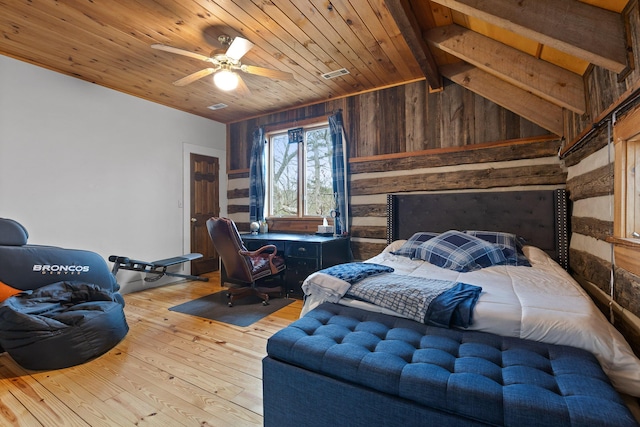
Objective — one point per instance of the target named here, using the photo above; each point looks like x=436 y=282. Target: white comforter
x=541 y=303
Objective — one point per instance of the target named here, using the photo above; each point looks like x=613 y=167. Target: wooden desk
x=304 y=253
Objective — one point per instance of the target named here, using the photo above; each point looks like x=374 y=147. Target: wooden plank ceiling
x=528 y=56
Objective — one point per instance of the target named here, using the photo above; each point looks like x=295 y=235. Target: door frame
x=185 y=203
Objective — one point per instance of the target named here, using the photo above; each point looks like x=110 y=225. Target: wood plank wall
x=400 y=119
x=405 y=139
x=590 y=186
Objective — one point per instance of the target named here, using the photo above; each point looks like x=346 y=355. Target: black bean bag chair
x=60 y=325
x=58 y=307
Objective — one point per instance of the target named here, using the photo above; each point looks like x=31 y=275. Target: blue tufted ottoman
x=342 y=366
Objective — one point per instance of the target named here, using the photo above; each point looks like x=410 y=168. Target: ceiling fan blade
x=179 y=51
x=238 y=48
x=193 y=77
x=242 y=89
x=266 y=72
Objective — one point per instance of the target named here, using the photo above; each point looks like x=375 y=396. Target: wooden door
x=205 y=203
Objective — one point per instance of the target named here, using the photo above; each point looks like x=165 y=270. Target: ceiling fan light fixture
x=226 y=80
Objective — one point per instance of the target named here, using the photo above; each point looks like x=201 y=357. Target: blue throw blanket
x=431 y=301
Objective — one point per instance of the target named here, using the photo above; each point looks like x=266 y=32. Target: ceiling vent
x=217 y=106
x=336 y=73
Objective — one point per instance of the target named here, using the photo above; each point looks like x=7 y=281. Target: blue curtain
x=339 y=172
x=257 y=177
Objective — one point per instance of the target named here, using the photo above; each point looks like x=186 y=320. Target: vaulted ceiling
x=527 y=56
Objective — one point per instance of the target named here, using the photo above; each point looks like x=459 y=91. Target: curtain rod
x=626 y=105
x=325 y=114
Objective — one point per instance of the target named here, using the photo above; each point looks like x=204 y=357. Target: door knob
x=194 y=220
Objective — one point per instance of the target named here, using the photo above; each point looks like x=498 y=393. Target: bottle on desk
x=264 y=227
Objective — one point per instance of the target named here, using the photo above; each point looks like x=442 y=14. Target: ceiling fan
x=225 y=65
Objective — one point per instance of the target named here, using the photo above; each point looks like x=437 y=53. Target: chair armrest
x=260 y=250
x=273 y=248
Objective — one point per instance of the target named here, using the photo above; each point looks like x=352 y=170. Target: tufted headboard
x=539 y=216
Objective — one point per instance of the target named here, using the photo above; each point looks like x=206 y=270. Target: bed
x=522 y=343
x=541 y=303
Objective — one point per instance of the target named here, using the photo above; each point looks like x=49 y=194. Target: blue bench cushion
x=480 y=376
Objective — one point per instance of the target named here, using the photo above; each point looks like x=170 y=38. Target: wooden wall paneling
x=368 y=115
x=481 y=153
x=369 y=232
x=238 y=174
x=595 y=142
x=462 y=180
x=483 y=106
x=238 y=193
x=385 y=111
x=452 y=116
x=628 y=290
x=516 y=125
x=351 y=126
x=469 y=118
x=575 y=124
x=392 y=117
x=365 y=250
x=604 y=89
x=432 y=116
x=370 y=210
x=239 y=144
x=592 y=227
x=590 y=267
x=234 y=209
x=598 y=182
x=525 y=127
x=415 y=98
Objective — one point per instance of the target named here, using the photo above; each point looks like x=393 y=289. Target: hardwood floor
x=171 y=369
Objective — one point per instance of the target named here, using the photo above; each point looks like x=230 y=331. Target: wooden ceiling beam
x=579 y=29
x=525 y=104
x=410 y=29
x=548 y=81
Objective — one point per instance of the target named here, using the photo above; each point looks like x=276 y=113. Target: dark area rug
x=244 y=312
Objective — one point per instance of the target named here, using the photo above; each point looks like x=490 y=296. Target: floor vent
x=336 y=73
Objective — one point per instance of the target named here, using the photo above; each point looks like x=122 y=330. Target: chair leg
x=261 y=292
x=264 y=293
x=235 y=293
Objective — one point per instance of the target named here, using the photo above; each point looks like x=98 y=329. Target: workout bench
x=159 y=268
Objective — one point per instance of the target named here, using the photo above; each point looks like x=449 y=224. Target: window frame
x=308 y=125
x=626 y=133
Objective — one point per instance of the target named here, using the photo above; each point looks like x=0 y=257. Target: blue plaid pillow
x=509 y=243
x=408 y=249
x=462 y=252
x=355 y=271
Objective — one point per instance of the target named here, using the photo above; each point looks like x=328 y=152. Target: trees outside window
x=300 y=182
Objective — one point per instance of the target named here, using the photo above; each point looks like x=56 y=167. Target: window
x=299 y=172
x=626 y=220
x=627 y=181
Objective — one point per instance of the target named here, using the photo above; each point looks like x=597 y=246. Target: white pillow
x=394 y=246
x=536 y=255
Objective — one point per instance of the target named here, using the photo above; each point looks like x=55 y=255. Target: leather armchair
x=245 y=268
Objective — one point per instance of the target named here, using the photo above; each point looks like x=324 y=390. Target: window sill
x=627 y=253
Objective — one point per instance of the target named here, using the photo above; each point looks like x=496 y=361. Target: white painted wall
x=86 y=167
